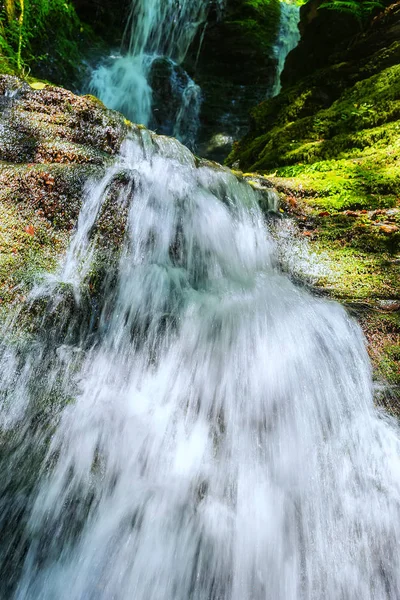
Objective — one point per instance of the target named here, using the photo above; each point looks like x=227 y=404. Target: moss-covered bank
x=338 y=129
x=358 y=250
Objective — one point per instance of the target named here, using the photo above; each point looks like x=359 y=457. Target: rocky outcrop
x=340 y=111
x=52 y=142
x=323 y=33
x=332 y=38
x=232 y=60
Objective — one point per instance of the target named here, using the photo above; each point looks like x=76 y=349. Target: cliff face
x=323 y=34
x=338 y=112
x=329 y=38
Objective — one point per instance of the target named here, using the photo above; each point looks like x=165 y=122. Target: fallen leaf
x=388 y=229
x=38 y=85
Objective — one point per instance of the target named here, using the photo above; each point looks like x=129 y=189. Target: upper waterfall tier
x=157 y=30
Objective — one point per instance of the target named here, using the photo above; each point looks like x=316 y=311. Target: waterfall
x=180 y=421
x=288 y=38
x=156 y=29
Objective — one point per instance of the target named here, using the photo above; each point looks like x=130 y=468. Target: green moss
x=5 y=65
x=389 y=364
x=358 y=119
x=43 y=38
x=331 y=146
x=362 y=269
x=255 y=21
x=363 y=274
x=238 y=47
x=356 y=275
x=28 y=245
x=347 y=154
x=96 y=101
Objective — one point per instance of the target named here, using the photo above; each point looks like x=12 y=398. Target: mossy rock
x=340 y=138
x=53 y=142
x=236 y=44
x=361 y=269
x=232 y=60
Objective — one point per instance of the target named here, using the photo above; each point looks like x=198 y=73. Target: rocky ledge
x=52 y=142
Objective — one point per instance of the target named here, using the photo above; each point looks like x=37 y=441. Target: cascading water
x=288 y=38
x=156 y=29
x=198 y=428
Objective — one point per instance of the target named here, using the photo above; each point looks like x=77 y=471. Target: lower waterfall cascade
x=199 y=428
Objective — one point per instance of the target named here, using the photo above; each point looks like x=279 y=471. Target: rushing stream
x=198 y=428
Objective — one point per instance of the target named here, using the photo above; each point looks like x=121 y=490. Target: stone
x=388 y=229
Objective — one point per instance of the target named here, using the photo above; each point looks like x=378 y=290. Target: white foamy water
x=295 y=254
x=213 y=436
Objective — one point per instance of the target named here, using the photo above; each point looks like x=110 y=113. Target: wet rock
x=321 y=35
x=232 y=60
x=389 y=305
x=11 y=87
x=54 y=125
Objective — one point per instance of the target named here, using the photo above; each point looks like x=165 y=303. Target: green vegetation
x=238 y=47
x=361 y=8
x=330 y=143
x=27 y=245
x=53 y=142
x=255 y=22
x=347 y=153
x=41 y=37
x=362 y=268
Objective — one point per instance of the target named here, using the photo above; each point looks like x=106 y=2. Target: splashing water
x=288 y=38
x=295 y=255
x=201 y=429
x=156 y=28
x=122 y=84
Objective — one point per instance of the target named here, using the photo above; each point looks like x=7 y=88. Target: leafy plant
x=361 y=9
x=34 y=32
